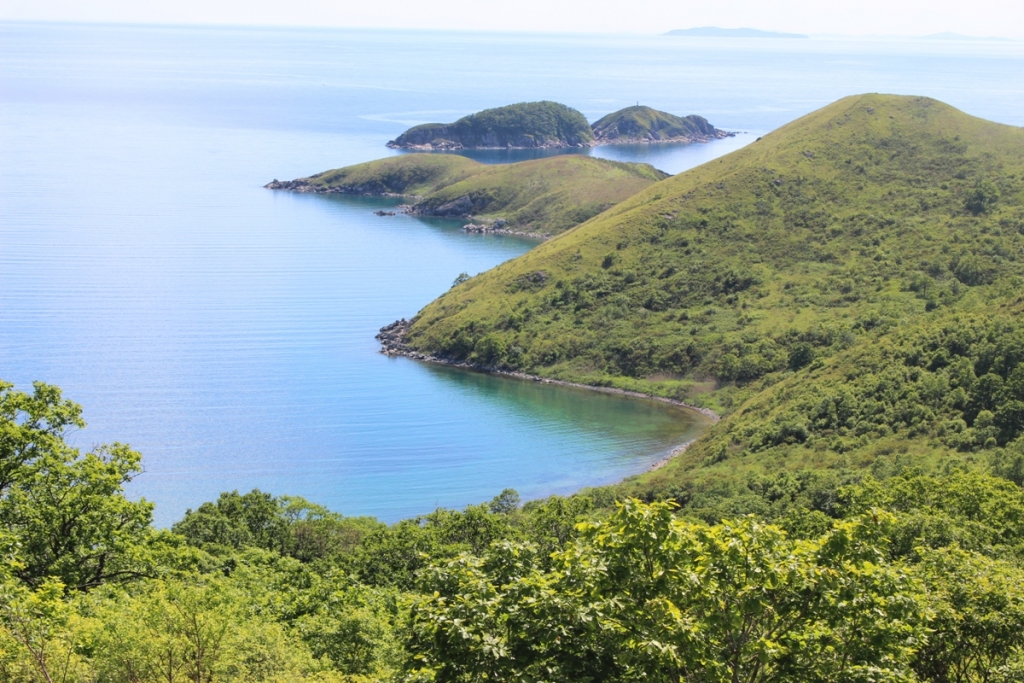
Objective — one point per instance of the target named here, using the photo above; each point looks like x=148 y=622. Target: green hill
x=543 y=196
x=410 y=175
x=643 y=124
x=525 y=125
x=751 y=284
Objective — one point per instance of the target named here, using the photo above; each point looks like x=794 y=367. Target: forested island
x=845 y=292
x=550 y=125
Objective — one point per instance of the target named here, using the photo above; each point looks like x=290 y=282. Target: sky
x=1003 y=18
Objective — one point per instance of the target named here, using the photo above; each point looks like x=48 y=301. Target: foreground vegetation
x=842 y=575
x=543 y=196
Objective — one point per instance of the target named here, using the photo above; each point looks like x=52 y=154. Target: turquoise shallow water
x=226 y=331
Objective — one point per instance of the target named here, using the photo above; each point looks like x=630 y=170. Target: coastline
x=392 y=342
x=449 y=146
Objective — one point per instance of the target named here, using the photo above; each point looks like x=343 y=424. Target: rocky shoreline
x=392 y=341
x=450 y=146
x=683 y=139
x=303 y=185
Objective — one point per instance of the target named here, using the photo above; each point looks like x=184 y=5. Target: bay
x=226 y=331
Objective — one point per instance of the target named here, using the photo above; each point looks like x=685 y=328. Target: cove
x=226 y=331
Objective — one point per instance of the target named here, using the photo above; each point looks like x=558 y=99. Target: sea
x=227 y=331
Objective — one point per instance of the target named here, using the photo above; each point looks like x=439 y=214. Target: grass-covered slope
x=524 y=125
x=874 y=217
x=643 y=124
x=413 y=175
x=543 y=196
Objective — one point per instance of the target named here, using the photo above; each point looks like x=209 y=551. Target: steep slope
x=641 y=124
x=526 y=125
x=543 y=196
x=856 y=219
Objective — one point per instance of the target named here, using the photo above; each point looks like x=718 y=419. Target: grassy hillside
x=524 y=125
x=543 y=196
x=875 y=216
x=643 y=124
x=413 y=174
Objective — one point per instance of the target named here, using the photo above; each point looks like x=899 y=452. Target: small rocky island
x=641 y=124
x=528 y=125
x=550 y=125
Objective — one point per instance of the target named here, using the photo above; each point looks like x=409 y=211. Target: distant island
x=550 y=125
x=716 y=32
x=959 y=36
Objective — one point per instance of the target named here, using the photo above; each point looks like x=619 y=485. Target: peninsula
x=542 y=197
x=550 y=125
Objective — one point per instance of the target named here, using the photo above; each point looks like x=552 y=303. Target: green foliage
x=65 y=509
x=837 y=577
x=547 y=195
x=648 y=125
x=408 y=174
x=644 y=596
x=977 y=606
x=833 y=230
x=288 y=525
x=527 y=124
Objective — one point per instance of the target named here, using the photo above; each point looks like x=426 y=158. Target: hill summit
x=848 y=285
x=642 y=124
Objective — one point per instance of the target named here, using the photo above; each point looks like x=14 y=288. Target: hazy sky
x=856 y=17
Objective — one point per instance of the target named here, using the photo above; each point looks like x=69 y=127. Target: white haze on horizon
x=981 y=18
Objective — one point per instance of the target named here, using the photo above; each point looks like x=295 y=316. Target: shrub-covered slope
x=543 y=196
x=813 y=284
x=524 y=125
x=865 y=215
x=643 y=124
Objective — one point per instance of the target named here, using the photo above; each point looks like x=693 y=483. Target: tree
x=645 y=596
x=67 y=510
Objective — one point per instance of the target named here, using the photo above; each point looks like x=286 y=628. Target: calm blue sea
x=227 y=331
